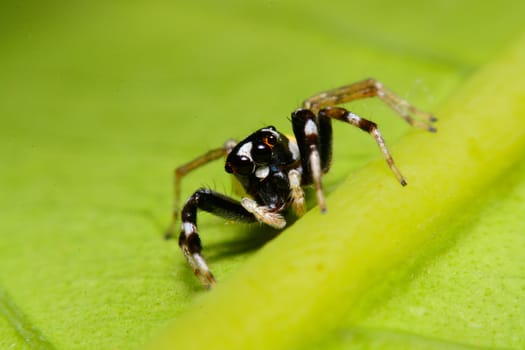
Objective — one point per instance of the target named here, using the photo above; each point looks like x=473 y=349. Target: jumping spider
x=272 y=168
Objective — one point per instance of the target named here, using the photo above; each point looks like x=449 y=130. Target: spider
x=273 y=168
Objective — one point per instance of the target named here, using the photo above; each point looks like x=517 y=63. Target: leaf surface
x=100 y=101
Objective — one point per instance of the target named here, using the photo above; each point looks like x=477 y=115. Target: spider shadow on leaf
x=247 y=239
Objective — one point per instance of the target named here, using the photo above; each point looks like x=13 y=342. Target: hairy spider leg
x=315 y=133
x=314 y=139
x=296 y=192
x=189 y=240
x=368 y=126
x=263 y=213
x=371 y=88
x=312 y=153
x=183 y=170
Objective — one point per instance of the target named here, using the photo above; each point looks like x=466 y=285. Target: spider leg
x=371 y=88
x=181 y=171
x=365 y=125
x=296 y=192
x=264 y=214
x=314 y=139
x=189 y=240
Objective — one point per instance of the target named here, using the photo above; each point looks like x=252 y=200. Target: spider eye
x=270 y=140
x=241 y=165
x=262 y=153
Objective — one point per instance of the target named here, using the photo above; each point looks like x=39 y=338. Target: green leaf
x=100 y=101
x=313 y=281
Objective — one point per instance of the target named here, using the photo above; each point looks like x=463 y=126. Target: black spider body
x=273 y=168
x=261 y=163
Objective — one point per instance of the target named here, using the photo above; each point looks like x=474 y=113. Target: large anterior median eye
x=239 y=165
x=270 y=140
x=262 y=153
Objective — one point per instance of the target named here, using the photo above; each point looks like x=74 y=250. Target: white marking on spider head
x=310 y=128
x=262 y=172
x=272 y=131
x=246 y=150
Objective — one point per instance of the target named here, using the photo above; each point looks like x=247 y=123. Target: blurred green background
x=99 y=101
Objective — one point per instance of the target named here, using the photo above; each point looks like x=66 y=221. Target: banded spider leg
x=313 y=130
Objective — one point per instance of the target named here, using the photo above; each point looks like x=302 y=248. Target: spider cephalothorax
x=261 y=163
x=273 y=168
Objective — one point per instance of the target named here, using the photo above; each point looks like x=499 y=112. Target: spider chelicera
x=273 y=168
